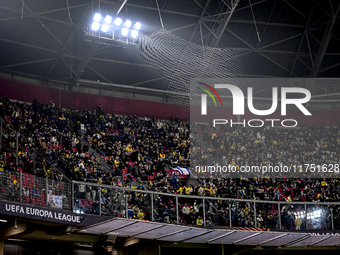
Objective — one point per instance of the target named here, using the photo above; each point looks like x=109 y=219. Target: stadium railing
x=215 y=211
x=36 y=190
x=116 y=201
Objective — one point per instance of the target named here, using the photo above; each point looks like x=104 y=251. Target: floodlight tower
x=113 y=27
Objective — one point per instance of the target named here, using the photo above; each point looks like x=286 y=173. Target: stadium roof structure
x=187 y=234
x=45 y=39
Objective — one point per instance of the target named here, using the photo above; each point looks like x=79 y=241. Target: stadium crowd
x=62 y=142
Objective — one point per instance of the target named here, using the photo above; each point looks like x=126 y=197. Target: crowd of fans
x=294 y=147
x=62 y=143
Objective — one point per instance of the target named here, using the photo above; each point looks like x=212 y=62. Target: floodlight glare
x=95 y=25
x=105 y=27
x=97 y=17
x=137 y=26
x=108 y=19
x=118 y=22
x=127 y=23
x=125 y=31
x=134 y=33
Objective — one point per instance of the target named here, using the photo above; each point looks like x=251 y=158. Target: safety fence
x=115 y=201
x=203 y=210
x=36 y=190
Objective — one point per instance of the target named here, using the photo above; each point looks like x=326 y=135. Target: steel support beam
x=100 y=75
x=280 y=41
x=258 y=44
x=42 y=24
x=119 y=62
x=263 y=23
x=198 y=22
x=224 y=24
x=40 y=17
x=47 y=76
x=28 y=45
x=28 y=62
x=263 y=55
x=84 y=61
x=253 y=4
x=21 y=31
x=324 y=43
x=214 y=20
x=301 y=41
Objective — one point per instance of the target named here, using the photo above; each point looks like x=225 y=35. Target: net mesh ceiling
x=182 y=62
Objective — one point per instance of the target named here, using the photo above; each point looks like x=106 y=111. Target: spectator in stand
x=143 y=147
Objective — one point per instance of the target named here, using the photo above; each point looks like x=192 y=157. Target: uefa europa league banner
x=47 y=214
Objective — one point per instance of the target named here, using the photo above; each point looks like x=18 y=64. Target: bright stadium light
x=125 y=31
x=105 y=27
x=134 y=33
x=113 y=28
x=97 y=17
x=127 y=23
x=317 y=213
x=95 y=25
x=108 y=19
x=137 y=26
x=118 y=22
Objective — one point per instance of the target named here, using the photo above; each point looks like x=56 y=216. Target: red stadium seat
x=32 y=200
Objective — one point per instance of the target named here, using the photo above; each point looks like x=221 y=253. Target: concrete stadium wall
x=126 y=106
x=127 y=103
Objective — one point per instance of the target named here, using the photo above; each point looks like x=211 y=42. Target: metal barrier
x=36 y=190
x=115 y=201
x=203 y=210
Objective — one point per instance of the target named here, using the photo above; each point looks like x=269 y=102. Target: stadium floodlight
x=95 y=25
x=108 y=19
x=125 y=31
x=105 y=27
x=134 y=33
x=137 y=26
x=97 y=17
x=111 y=26
x=118 y=22
x=127 y=23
